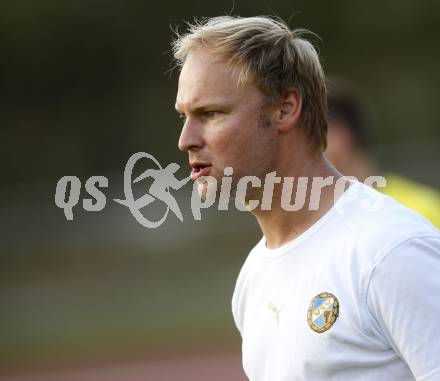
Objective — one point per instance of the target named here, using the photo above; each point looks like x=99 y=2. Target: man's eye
x=183 y=117
x=211 y=114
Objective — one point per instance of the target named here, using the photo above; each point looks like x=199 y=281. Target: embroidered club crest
x=323 y=312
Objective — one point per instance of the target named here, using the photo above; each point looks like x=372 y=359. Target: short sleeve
x=404 y=300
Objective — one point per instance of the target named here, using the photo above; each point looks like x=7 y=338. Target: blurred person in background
x=333 y=293
x=348 y=148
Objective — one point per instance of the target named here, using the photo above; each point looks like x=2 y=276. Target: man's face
x=223 y=126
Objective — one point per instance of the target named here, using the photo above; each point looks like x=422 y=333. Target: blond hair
x=266 y=51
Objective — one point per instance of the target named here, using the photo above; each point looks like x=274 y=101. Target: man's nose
x=190 y=137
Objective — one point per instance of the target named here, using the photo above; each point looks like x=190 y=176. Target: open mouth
x=198 y=167
x=198 y=170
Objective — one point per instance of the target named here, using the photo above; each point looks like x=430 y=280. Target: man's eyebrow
x=206 y=107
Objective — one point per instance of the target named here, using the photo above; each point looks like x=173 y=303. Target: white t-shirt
x=367 y=274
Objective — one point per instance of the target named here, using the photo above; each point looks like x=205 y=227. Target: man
x=348 y=146
x=345 y=291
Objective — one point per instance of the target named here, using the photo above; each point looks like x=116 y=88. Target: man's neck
x=280 y=226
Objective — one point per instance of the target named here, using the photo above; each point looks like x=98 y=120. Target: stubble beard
x=261 y=166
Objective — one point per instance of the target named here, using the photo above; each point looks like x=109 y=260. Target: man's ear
x=288 y=110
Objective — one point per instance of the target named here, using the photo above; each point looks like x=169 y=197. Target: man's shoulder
x=378 y=223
